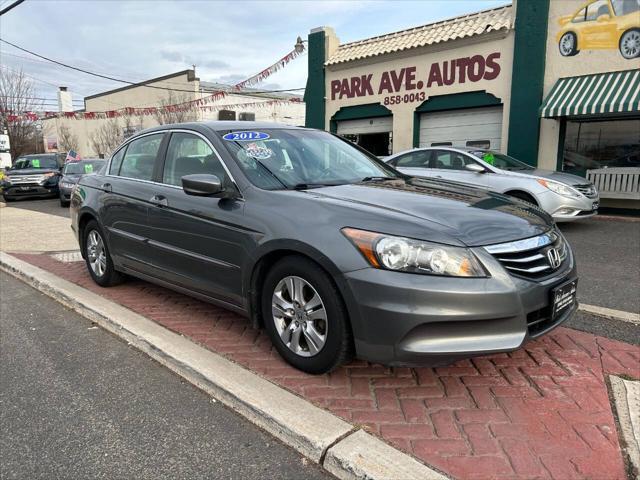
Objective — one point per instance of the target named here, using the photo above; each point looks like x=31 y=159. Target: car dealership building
x=496 y=78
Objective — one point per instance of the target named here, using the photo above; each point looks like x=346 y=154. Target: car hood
x=561 y=177
x=470 y=215
x=31 y=171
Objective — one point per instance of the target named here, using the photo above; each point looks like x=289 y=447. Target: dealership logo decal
x=448 y=72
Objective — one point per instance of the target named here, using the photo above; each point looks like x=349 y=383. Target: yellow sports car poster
x=602 y=24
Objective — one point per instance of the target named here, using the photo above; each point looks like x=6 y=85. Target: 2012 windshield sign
x=448 y=72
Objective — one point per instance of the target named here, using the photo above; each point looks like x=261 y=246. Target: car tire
x=97 y=256
x=524 y=196
x=64 y=203
x=629 y=44
x=568 y=45
x=324 y=322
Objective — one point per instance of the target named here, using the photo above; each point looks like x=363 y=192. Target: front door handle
x=106 y=187
x=159 y=201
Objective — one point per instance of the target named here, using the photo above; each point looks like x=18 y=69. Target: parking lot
x=540 y=412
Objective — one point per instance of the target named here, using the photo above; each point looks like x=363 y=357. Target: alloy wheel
x=96 y=253
x=630 y=44
x=299 y=316
x=567 y=44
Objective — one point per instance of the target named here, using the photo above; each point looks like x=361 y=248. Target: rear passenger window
x=116 y=161
x=187 y=155
x=140 y=157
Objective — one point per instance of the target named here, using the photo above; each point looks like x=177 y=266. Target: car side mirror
x=605 y=17
x=202 y=185
x=475 y=168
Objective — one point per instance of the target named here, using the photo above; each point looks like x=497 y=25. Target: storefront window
x=601 y=144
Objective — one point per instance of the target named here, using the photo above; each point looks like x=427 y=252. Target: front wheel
x=630 y=44
x=97 y=257
x=305 y=317
x=568 y=44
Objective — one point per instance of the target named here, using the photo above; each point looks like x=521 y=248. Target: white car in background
x=565 y=197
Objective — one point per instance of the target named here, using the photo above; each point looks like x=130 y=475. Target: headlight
x=415 y=256
x=560 y=188
x=46 y=177
x=67 y=184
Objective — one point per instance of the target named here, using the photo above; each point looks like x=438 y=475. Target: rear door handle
x=159 y=201
x=106 y=187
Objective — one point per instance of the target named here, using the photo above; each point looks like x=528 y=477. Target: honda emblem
x=554 y=258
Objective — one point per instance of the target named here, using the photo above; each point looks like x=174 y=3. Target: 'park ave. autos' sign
x=390 y=83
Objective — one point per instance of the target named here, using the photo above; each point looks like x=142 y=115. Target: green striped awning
x=601 y=93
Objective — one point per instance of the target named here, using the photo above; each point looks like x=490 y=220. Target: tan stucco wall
x=422 y=59
x=140 y=97
x=557 y=66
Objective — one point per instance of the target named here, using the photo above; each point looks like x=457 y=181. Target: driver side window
x=189 y=154
x=596 y=9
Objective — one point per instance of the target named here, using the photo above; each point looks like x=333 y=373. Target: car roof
x=38 y=155
x=222 y=125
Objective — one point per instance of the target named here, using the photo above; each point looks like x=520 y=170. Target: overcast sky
x=227 y=40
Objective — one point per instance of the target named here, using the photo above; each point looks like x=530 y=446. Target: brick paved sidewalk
x=540 y=412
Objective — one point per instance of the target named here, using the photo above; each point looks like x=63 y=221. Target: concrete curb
x=626 y=397
x=628 y=317
x=340 y=447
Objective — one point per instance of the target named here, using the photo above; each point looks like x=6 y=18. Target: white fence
x=622 y=182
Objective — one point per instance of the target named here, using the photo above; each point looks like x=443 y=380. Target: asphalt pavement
x=608 y=256
x=76 y=402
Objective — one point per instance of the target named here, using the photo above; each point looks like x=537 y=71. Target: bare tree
x=164 y=116
x=18 y=95
x=106 y=138
x=67 y=140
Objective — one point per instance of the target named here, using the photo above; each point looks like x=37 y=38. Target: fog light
x=565 y=211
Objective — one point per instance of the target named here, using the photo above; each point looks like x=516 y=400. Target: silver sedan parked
x=565 y=197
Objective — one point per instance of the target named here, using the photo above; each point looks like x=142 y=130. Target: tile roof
x=500 y=18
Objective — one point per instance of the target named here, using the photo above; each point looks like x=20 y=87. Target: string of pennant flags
x=201 y=104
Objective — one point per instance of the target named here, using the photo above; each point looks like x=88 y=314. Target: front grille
x=534 y=257
x=25 y=179
x=587 y=189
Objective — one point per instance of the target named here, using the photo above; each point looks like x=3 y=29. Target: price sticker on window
x=36 y=163
x=88 y=168
x=489 y=158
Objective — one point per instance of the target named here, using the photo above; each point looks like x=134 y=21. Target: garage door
x=365 y=125
x=474 y=127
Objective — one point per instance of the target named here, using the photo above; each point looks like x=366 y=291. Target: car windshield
x=501 y=161
x=298 y=159
x=82 y=168
x=625 y=7
x=35 y=162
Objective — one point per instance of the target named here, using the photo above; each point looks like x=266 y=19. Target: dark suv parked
x=331 y=250
x=32 y=176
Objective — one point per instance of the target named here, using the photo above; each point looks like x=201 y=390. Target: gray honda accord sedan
x=329 y=249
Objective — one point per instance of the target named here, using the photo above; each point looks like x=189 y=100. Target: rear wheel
x=64 y=203
x=304 y=316
x=568 y=45
x=524 y=196
x=97 y=257
x=630 y=44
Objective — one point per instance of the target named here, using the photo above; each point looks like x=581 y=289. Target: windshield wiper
x=383 y=179
x=305 y=186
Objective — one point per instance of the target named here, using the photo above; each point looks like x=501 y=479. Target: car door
x=127 y=190
x=599 y=27
x=197 y=242
x=450 y=165
x=415 y=163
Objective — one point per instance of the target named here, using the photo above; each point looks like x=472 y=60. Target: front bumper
x=408 y=319
x=29 y=190
x=567 y=209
